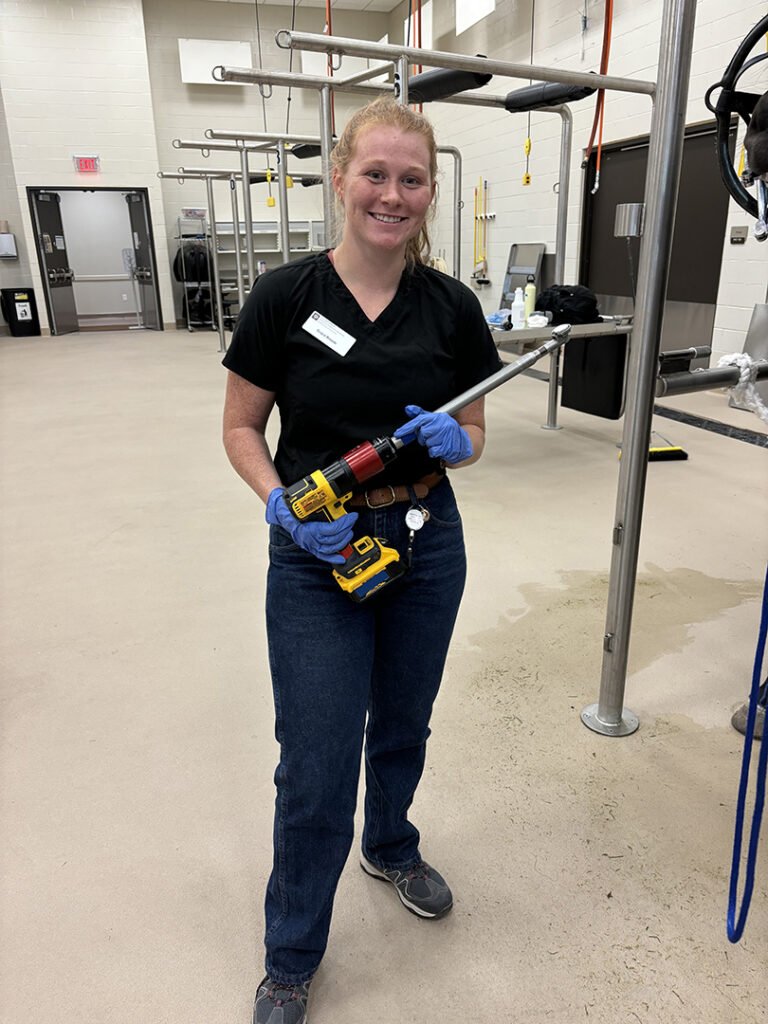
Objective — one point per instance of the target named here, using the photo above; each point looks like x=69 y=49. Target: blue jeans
x=335 y=663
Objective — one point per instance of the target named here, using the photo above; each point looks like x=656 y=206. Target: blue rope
x=735 y=931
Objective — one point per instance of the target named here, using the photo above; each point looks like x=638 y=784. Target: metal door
x=54 y=264
x=145 y=273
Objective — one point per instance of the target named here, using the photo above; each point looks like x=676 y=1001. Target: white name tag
x=324 y=330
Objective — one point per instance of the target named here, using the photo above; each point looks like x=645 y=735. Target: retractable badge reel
x=415 y=518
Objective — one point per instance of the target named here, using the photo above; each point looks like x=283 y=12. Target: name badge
x=324 y=330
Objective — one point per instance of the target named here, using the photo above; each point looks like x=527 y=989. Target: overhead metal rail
x=669 y=96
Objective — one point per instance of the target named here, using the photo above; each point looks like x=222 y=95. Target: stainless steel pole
x=609 y=716
x=560 y=335
x=236 y=236
x=216 y=283
x=247 y=217
x=326 y=145
x=560 y=233
x=282 y=191
x=702 y=380
x=401 y=81
x=457 y=207
x=286 y=39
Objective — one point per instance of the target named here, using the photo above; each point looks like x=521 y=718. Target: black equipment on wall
x=544 y=94
x=743 y=103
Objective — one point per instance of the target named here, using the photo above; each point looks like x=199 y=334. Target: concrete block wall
x=492 y=140
x=75 y=80
x=14 y=273
x=185 y=111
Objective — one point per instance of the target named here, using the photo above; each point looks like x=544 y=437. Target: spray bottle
x=530 y=297
x=517 y=310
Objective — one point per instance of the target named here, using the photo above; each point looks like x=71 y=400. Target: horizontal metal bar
x=217 y=133
x=363 y=76
x=701 y=380
x=559 y=336
x=437 y=58
x=204 y=144
x=98 y=278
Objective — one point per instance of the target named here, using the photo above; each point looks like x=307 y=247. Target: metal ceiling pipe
x=287 y=39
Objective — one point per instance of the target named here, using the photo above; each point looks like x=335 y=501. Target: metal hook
x=265 y=95
x=205 y=152
x=216 y=78
x=331 y=65
x=556 y=188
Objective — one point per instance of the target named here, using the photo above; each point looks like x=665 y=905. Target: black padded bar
x=440 y=84
x=544 y=94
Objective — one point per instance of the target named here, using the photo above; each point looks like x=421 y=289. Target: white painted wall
x=492 y=141
x=103 y=76
x=184 y=111
x=97 y=228
x=75 y=80
x=14 y=273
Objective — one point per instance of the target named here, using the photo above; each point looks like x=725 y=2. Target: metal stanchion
x=216 y=283
x=457 y=206
x=326 y=144
x=247 y=217
x=562 y=222
x=609 y=716
x=282 y=191
x=236 y=234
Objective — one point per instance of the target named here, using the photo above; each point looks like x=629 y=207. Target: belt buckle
x=382 y=504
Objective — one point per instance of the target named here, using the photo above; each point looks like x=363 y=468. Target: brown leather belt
x=380 y=497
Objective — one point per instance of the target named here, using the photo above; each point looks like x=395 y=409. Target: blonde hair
x=385 y=111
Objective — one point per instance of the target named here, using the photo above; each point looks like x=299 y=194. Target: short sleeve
x=476 y=353
x=256 y=351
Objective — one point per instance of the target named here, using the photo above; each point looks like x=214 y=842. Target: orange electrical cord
x=600 y=105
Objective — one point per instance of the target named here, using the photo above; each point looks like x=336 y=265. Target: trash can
x=19 y=310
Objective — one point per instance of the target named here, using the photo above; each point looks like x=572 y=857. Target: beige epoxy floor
x=590 y=874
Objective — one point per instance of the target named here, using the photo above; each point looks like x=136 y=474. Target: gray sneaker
x=281 y=1004
x=420 y=888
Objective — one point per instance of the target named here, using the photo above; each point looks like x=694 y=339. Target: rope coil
x=745 y=391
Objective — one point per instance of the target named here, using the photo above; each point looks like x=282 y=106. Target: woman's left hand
x=440 y=434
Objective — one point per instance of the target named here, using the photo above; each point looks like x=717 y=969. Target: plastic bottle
x=530 y=297
x=518 y=309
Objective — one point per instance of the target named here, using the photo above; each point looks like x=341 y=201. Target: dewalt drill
x=369 y=564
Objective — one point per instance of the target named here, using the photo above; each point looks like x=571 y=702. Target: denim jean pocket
x=442 y=507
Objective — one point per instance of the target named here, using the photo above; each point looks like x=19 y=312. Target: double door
x=58 y=276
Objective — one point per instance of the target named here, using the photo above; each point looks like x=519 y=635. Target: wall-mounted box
x=8 y=247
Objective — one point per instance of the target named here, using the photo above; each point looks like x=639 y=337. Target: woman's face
x=386 y=189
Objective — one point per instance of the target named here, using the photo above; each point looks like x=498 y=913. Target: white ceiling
x=380 y=6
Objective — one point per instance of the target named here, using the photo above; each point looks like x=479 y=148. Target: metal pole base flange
x=628 y=724
x=550 y=426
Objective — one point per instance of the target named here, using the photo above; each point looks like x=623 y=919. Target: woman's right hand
x=323 y=540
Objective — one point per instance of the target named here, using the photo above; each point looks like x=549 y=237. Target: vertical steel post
x=216 y=283
x=236 y=234
x=457 y=206
x=247 y=216
x=326 y=145
x=401 y=80
x=560 y=233
x=665 y=152
x=282 y=191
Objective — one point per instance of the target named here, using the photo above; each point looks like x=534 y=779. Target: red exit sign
x=86 y=164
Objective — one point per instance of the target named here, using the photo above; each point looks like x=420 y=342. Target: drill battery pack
x=369 y=566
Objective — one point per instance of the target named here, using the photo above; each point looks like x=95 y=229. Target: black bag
x=569 y=304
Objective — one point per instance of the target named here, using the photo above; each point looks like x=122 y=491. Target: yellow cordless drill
x=368 y=563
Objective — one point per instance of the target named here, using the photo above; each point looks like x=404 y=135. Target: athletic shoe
x=281 y=1004
x=420 y=888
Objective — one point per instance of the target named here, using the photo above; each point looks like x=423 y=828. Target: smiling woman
x=349 y=344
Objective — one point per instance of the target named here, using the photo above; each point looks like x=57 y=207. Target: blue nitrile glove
x=440 y=434
x=323 y=540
